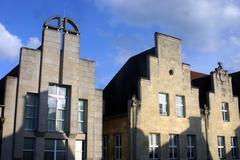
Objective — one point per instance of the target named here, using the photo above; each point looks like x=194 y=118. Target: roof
x=125 y=83
x=196 y=75
x=203 y=83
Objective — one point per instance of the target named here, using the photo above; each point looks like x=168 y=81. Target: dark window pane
x=48 y=156
x=61 y=144
x=49 y=144
x=28 y=155
x=61 y=156
x=28 y=143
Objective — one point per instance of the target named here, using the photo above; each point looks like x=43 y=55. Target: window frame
x=55 y=150
x=161 y=105
x=225 y=112
x=153 y=146
x=84 y=111
x=191 y=147
x=118 y=147
x=57 y=121
x=221 y=148
x=180 y=106
x=173 y=146
x=34 y=117
x=105 y=147
x=234 y=146
x=33 y=150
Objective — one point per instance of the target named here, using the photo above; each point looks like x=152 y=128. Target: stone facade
x=202 y=96
x=55 y=63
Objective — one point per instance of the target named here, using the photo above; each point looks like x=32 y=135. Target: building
x=52 y=110
x=155 y=107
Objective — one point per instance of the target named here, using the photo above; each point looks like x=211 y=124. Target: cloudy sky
x=114 y=30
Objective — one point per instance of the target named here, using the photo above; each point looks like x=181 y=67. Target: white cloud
x=33 y=42
x=10 y=44
x=202 y=24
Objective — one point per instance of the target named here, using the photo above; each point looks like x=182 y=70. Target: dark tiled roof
x=196 y=75
x=125 y=84
x=236 y=83
x=203 y=83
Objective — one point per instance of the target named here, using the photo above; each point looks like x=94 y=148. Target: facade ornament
x=134 y=101
x=221 y=74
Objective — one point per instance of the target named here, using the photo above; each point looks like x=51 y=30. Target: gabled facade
x=156 y=108
x=52 y=110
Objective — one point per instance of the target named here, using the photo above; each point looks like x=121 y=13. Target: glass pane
x=61 y=103
x=61 y=156
x=151 y=152
x=52 y=90
x=81 y=127
x=28 y=143
x=61 y=91
x=51 y=125
x=31 y=99
x=61 y=144
x=48 y=156
x=155 y=152
x=51 y=113
x=28 y=155
x=60 y=126
x=81 y=116
x=61 y=114
x=80 y=105
x=52 y=102
x=30 y=111
x=49 y=144
x=29 y=124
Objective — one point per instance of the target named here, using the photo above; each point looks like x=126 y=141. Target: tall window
x=118 y=147
x=29 y=149
x=163 y=104
x=191 y=147
x=30 y=116
x=154 y=140
x=80 y=150
x=57 y=108
x=180 y=106
x=221 y=147
x=173 y=146
x=234 y=147
x=55 y=149
x=225 y=112
x=82 y=106
x=105 y=147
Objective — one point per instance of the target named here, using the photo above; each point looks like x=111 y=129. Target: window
x=82 y=106
x=173 y=146
x=79 y=150
x=163 y=104
x=105 y=147
x=180 y=106
x=234 y=147
x=225 y=112
x=221 y=147
x=55 y=149
x=154 y=140
x=191 y=147
x=118 y=147
x=30 y=111
x=29 y=149
x=57 y=108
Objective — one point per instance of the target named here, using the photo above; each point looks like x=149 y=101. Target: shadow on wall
x=195 y=128
x=14 y=147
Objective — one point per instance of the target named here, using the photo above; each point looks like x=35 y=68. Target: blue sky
x=114 y=30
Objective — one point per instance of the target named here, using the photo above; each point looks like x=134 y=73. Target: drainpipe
x=134 y=103
x=206 y=116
